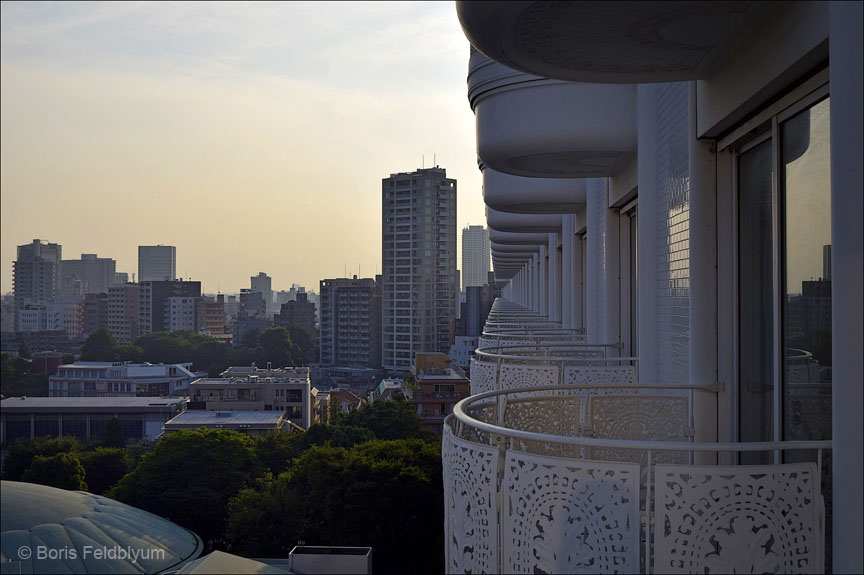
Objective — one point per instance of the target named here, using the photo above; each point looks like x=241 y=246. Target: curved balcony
x=534 y=223
x=536 y=127
x=541 y=480
x=521 y=195
x=609 y=41
x=518 y=238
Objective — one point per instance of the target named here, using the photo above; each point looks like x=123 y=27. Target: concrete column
x=847 y=255
x=647 y=238
x=703 y=281
x=535 y=283
x=543 y=282
x=567 y=245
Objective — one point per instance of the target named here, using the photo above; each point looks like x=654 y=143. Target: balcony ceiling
x=515 y=239
x=507 y=222
x=515 y=249
x=614 y=42
x=550 y=128
x=521 y=195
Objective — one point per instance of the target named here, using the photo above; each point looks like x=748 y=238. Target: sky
x=253 y=137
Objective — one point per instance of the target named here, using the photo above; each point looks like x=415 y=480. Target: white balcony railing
x=537 y=482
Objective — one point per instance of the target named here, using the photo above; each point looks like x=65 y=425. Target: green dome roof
x=49 y=530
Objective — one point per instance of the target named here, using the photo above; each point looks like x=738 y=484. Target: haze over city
x=253 y=138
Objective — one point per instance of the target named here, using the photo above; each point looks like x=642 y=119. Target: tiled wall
x=673 y=224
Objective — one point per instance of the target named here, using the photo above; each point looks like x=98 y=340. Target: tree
x=189 y=477
x=386 y=419
x=24 y=451
x=305 y=341
x=113 y=436
x=100 y=346
x=276 y=449
x=383 y=494
x=131 y=353
x=335 y=435
x=104 y=467
x=16 y=379
x=277 y=348
x=68 y=358
x=24 y=350
x=63 y=470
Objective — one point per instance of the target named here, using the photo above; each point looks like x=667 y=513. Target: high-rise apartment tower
x=419 y=265
x=476 y=256
x=350 y=323
x=36 y=274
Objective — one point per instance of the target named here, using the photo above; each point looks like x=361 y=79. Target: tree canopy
x=100 y=346
x=63 y=470
x=189 y=476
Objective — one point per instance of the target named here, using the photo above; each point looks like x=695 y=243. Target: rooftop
x=204 y=418
x=56 y=404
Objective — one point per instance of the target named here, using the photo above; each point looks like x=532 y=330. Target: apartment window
x=782 y=179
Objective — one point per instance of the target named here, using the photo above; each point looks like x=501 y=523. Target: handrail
x=504 y=432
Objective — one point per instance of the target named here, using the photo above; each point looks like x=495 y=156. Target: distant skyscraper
x=419 y=265
x=90 y=274
x=36 y=274
x=157 y=263
x=476 y=256
x=350 y=325
x=264 y=284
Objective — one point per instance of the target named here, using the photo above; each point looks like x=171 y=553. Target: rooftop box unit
x=310 y=560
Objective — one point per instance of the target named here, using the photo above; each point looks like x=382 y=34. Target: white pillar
x=554 y=278
x=592 y=328
x=703 y=282
x=578 y=287
x=647 y=237
x=847 y=255
x=535 y=280
x=612 y=329
x=567 y=245
x=543 y=283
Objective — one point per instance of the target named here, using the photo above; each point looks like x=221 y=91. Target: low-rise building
x=345 y=400
x=244 y=421
x=120 y=379
x=85 y=417
x=390 y=389
x=440 y=386
x=462 y=351
x=252 y=389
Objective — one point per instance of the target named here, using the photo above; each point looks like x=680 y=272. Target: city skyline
x=165 y=125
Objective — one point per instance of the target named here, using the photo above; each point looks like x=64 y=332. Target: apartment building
x=90 y=274
x=36 y=274
x=350 y=326
x=476 y=256
x=660 y=216
x=158 y=299
x=124 y=312
x=419 y=278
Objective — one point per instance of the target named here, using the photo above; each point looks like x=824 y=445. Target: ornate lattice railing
x=534 y=483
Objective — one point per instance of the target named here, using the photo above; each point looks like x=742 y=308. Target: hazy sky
x=253 y=137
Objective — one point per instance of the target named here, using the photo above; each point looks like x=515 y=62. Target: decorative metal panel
x=513 y=376
x=470 y=514
x=482 y=376
x=640 y=418
x=557 y=415
x=738 y=519
x=566 y=516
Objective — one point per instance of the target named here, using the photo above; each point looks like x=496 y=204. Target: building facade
x=419 y=283
x=476 y=256
x=264 y=284
x=298 y=313
x=124 y=312
x=90 y=274
x=666 y=207
x=350 y=326
x=155 y=304
x=120 y=379
x=36 y=273
x=157 y=263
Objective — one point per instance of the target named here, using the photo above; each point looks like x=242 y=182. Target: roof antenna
x=424 y=160
x=435 y=160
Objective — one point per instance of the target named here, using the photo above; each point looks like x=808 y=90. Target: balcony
x=562 y=462
x=565 y=489
x=537 y=127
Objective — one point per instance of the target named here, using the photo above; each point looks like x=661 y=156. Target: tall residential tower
x=476 y=256
x=419 y=265
x=157 y=263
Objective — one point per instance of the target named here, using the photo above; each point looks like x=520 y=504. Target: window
x=784 y=277
x=629 y=294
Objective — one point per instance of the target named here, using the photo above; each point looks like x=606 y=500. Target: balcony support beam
x=703 y=281
x=847 y=253
x=543 y=283
x=554 y=262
